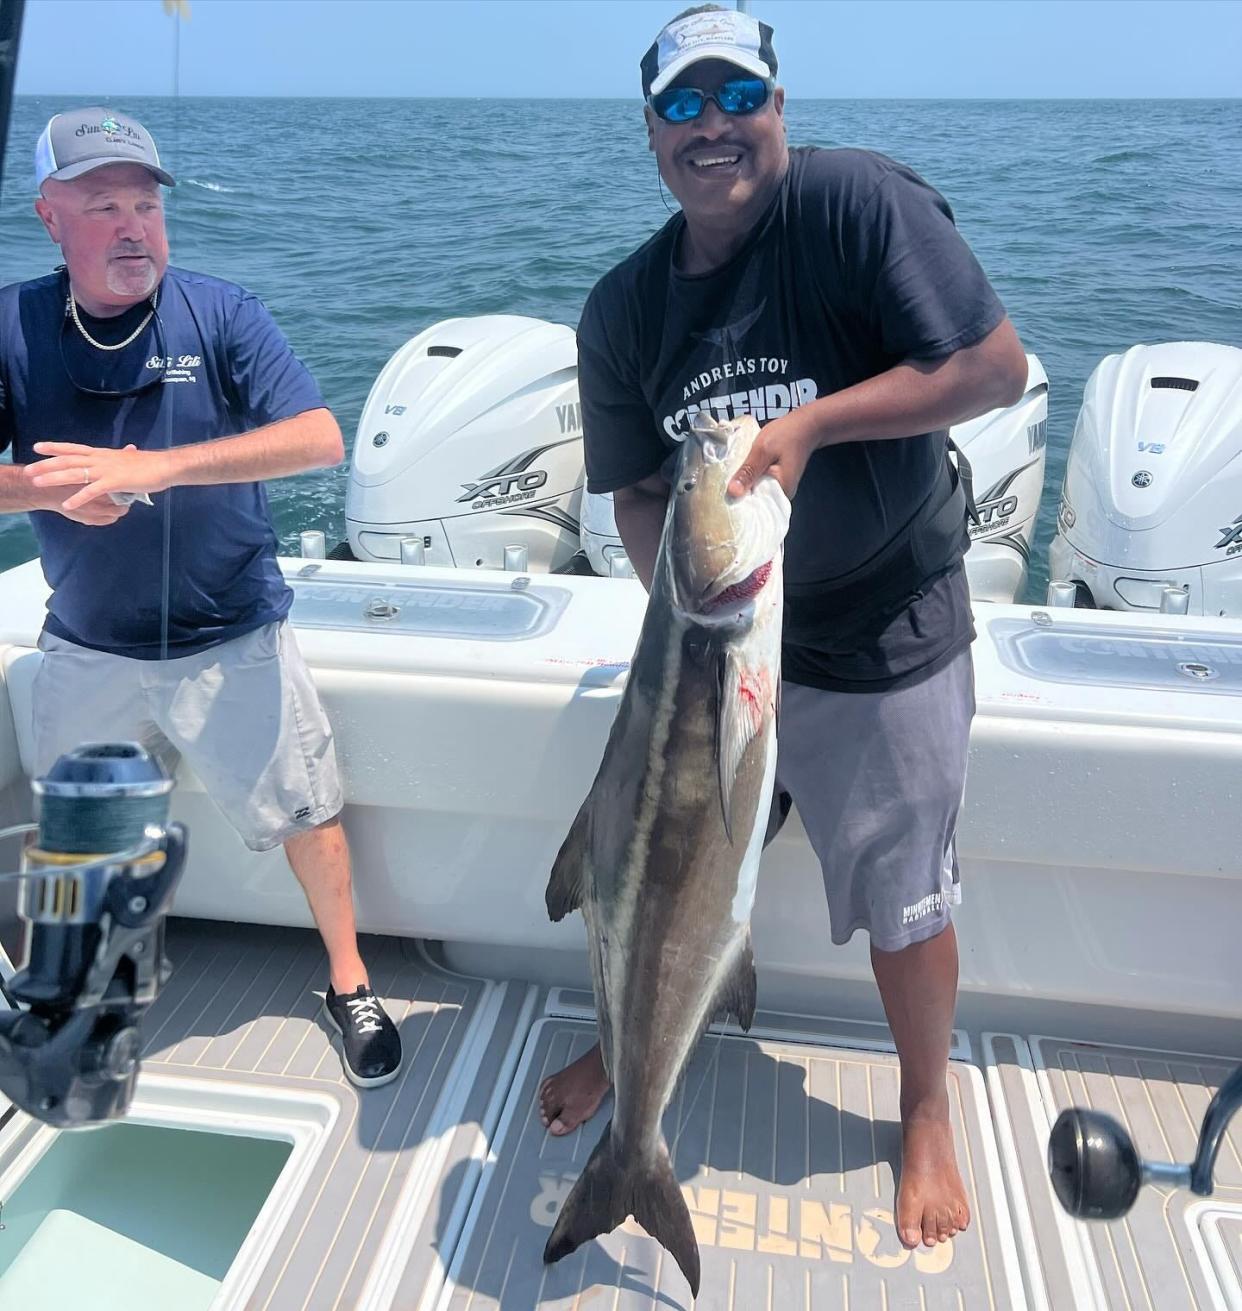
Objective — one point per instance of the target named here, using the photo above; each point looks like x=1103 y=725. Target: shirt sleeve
x=270 y=381
x=620 y=441
x=915 y=277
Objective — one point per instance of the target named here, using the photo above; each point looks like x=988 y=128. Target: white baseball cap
x=726 y=34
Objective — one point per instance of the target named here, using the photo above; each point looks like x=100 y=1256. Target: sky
x=827 y=48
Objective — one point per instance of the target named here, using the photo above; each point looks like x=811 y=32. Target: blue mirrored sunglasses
x=737 y=96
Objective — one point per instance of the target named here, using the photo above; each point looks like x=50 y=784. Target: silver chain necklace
x=71 y=308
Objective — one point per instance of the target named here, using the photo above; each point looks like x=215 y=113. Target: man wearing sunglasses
x=827 y=293
x=145 y=406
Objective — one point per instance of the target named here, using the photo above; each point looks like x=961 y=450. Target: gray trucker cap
x=84 y=139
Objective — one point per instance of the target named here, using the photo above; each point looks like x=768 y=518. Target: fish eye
x=688 y=484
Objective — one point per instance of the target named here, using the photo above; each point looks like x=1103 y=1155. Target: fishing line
x=178 y=11
x=713 y=1063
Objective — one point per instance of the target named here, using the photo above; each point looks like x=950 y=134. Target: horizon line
x=840 y=100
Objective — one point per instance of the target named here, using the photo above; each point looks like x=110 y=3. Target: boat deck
x=438 y=1191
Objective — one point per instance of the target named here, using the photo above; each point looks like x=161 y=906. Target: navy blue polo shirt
x=204 y=557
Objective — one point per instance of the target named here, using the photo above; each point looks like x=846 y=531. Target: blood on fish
x=755 y=694
x=744 y=590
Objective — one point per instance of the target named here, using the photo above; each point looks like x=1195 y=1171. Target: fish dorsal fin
x=738 y=992
x=740 y=716
x=565 y=883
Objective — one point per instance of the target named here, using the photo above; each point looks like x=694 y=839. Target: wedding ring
x=86 y=476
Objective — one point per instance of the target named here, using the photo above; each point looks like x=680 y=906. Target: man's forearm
x=308 y=441
x=640 y=514
x=923 y=396
x=912 y=397
x=16 y=491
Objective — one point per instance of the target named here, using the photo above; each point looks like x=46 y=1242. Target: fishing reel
x=69 y=1049
x=1096 y=1172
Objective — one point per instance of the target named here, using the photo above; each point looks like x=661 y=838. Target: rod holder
x=619 y=565
x=314 y=545
x=1175 y=600
x=1062 y=594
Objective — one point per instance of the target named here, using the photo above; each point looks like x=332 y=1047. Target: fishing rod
x=98 y=872
x=11 y=14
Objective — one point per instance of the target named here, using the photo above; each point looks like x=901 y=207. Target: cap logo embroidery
x=708 y=30
x=110 y=125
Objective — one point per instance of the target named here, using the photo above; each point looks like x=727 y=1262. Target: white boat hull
x=1098 y=841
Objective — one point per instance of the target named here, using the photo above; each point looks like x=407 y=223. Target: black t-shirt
x=855 y=266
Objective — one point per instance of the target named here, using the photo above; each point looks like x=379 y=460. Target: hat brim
x=730 y=54
x=83 y=166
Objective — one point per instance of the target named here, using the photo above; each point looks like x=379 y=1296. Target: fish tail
x=605 y=1195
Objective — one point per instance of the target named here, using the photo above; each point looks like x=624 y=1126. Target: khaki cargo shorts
x=244 y=715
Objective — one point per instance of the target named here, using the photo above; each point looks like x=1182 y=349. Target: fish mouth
x=740 y=593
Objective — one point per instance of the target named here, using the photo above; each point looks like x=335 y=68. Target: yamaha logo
x=1142 y=478
x=380 y=439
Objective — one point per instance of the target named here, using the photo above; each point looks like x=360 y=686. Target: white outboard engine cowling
x=471 y=440
x=1006 y=453
x=601 y=539
x=1151 y=505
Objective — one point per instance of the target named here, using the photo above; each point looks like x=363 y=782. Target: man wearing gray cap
x=145 y=406
x=828 y=294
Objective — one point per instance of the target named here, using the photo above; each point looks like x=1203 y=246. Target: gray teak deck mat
x=243 y=1004
x=1174 y=1251
x=787 y=1153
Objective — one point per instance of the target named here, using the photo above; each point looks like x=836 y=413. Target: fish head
x=722 y=550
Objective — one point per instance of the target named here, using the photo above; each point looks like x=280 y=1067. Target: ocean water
x=361 y=222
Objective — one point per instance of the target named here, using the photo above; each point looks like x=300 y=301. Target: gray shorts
x=245 y=715
x=877 y=778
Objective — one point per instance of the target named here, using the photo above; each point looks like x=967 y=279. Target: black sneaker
x=370 y=1043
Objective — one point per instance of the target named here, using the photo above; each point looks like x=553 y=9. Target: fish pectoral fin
x=738 y=722
x=606 y=1193
x=565 y=883
x=737 y=996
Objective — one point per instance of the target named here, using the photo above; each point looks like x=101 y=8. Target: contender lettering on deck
x=801 y=1227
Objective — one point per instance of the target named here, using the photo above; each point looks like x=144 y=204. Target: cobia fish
x=663 y=855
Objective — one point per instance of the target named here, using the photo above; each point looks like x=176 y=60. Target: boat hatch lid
x=475 y=611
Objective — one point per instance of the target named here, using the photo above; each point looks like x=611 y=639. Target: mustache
x=702 y=143
x=129 y=249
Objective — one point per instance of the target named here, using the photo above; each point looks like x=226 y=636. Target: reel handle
x=1096 y=1172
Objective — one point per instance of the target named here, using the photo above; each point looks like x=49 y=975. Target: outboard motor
x=1006 y=453
x=1151 y=507
x=471 y=439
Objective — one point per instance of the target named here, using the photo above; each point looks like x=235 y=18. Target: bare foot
x=931 y=1199
x=571 y=1097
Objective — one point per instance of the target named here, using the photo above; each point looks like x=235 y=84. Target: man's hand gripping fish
x=663 y=855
